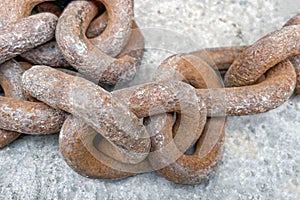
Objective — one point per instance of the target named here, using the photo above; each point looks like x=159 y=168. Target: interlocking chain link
x=70 y=53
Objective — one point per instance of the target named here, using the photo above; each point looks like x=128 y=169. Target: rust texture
x=189 y=169
x=118 y=30
x=26 y=34
x=223 y=57
x=219 y=58
x=29 y=117
x=89 y=154
x=255 y=60
x=7 y=137
x=92 y=104
x=102 y=134
x=277 y=88
x=78 y=157
x=267 y=95
x=293 y=21
x=97 y=26
x=10 y=81
x=14 y=10
x=17 y=114
x=80 y=52
x=25 y=65
x=49 y=7
x=47 y=54
x=296 y=59
x=296 y=62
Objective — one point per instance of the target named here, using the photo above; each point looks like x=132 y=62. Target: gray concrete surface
x=262 y=152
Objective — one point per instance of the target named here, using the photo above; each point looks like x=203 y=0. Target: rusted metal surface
x=269 y=94
x=80 y=52
x=14 y=10
x=46 y=54
x=219 y=58
x=29 y=117
x=10 y=81
x=255 y=60
x=102 y=134
x=49 y=7
x=26 y=34
x=189 y=169
x=77 y=155
x=118 y=30
x=296 y=59
x=49 y=54
x=296 y=62
x=97 y=26
x=92 y=104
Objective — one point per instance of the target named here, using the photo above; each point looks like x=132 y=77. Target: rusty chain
x=69 y=52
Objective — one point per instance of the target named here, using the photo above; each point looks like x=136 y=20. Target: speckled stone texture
x=262 y=152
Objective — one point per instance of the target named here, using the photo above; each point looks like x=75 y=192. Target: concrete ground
x=262 y=152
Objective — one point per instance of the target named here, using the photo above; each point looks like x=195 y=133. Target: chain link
x=174 y=125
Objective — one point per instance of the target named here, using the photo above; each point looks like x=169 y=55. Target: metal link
x=14 y=10
x=189 y=169
x=101 y=132
x=255 y=60
x=93 y=105
x=26 y=34
x=49 y=54
x=10 y=81
x=80 y=52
